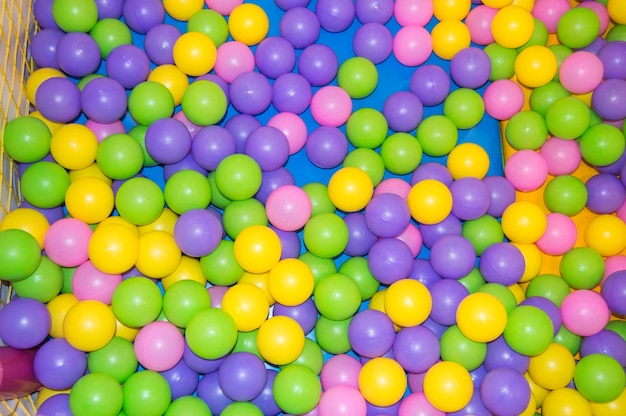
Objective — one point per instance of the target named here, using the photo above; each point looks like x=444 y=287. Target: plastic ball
x=456 y=347
x=97 y=391
x=257 y=249
x=297 y=390
x=412 y=45
x=194 y=53
x=409 y=12
x=554 y=368
x=129 y=65
x=75 y=15
x=430 y=201
x=601 y=144
x=578 y=27
x=612 y=57
x=159 y=346
x=373 y=41
x=290 y=282
x=159 y=43
x=481 y=317
x=337 y=296
x=293 y=127
x=78 y=54
x=319 y=64
x=478 y=21
x=109 y=33
x=90 y=283
x=204 y=103
x=89 y=325
x=150 y=101
x=448 y=386
x=503 y=99
x=389 y=260
x=524 y=222
x=560 y=235
x=146 y=391
x=358 y=77
x=526 y=322
x=452 y=256
x=613 y=290
x=371 y=333
x=211 y=333
x=505 y=390
x=512 y=26
x=599 y=378
x=26 y=139
x=502 y=263
x=470 y=68
x=58 y=100
x=250 y=93
x=527 y=170
x=43 y=47
x=468 y=159
x=25 y=323
x=382 y=381
x=581 y=72
x=449 y=37
x=275 y=56
x=408 y=302
x=143 y=15
x=247 y=305
x=535 y=66
x=291 y=92
x=173 y=79
x=248 y=23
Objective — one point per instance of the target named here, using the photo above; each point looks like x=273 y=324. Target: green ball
x=139 y=201
x=96 y=394
x=220 y=267
x=210 y=23
x=186 y=190
x=502 y=61
x=568 y=339
x=311 y=357
x=401 y=153
x=150 y=101
x=565 y=194
x=473 y=281
x=539 y=36
x=188 y=405
x=529 y=330
x=211 y=333
x=458 y=348
x=526 y=130
x=44 y=284
x=483 y=232
x=204 y=103
x=578 y=27
x=116 y=359
x=357 y=269
x=246 y=342
x=320 y=201
x=332 y=336
x=138 y=133
x=465 y=107
x=319 y=266
x=617 y=326
x=437 y=135
x=68 y=275
x=120 y=156
x=368 y=161
x=110 y=33
x=568 y=118
x=183 y=299
x=617 y=32
x=297 y=389
x=26 y=139
x=20 y=255
x=75 y=15
x=599 y=378
x=602 y=144
x=560 y=52
x=238 y=177
x=217 y=199
x=137 y=301
x=337 y=297
x=548 y=286
x=239 y=215
x=502 y=292
x=366 y=127
x=146 y=393
x=582 y=268
x=358 y=76
x=541 y=98
x=326 y=235
x=241 y=409
x=44 y=184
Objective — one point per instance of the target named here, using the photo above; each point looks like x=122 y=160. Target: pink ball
x=549 y=12
x=416 y=404
x=600 y=10
x=233 y=58
x=341 y=401
x=562 y=156
x=413 y=12
x=503 y=99
x=621 y=212
x=294 y=129
x=66 y=242
x=527 y=170
x=613 y=264
x=581 y=72
x=223 y=7
x=104 y=130
x=288 y=208
x=159 y=346
x=341 y=369
x=560 y=235
x=90 y=283
x=393 y=186
x=412 y=237
x=585 y=312
x=412 y=45
x=193 y=128
x=478 y=21
x=217 y=294
x=331 y=106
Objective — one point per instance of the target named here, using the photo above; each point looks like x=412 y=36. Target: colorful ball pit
x=322 y=208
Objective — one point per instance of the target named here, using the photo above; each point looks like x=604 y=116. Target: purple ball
x=477 y=375
x=128 y=64
x=268 y=146
x=470 y=68
x=43 y=47
x=291 y=93
x=605 y=342
x=361 y=238
x=502 y=263
x=605 y=193
x=198 y=364
x=614 y=292
x=431 y=84
x=608 y=100
x=502 y=194
x=304 y=314
x=159 y=43
x=475 y=407
x=371 y=333
x=112 y=9
x=548 y=307
x=250 y=93
x=595 y=46
x=452 y=256
x=210 y=391
x=416 y=348
x=57 y=405
x=437 y=329
x=51 y=214
x=335 y=15
x=58 y=365
x=188 y=163
x=289 y=242
x=387 y=215
x=614 y=168
x=242 y=376
x=58 y=100
x=447 y=294
x=198 y=232
x=143 y=15
x=423 y=272
x=471 y=198
x=182 y=380
x=382 y=411
x=373 y=41
x=42 y=10
x=290 y=4
x=168 y=141
x=374 y=11
x=265 y=401
x=272 y=179
x=613 y=57
x=318 y=64
x=451 y=225
x=326 y=147
x=501 y=355
x=403 y=111
x=240 y=126
x=275 y=56
x=505 y=392
x=211 y=145
x=432 y=170
x=300 y=26
x=104 y=100
x=24 y=323
x=390 y=260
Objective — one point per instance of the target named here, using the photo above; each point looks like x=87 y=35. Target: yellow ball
x=535 y=66
x=45 y=393
x=451 y=9
x=92 y=170
x=524 y=222
x=449 y=37
x=29 y=220
x=165 y=222
x=257 y=249
x=616 y=407
x=448 y=386
x=512 y=26
x=481 y=317
x=172 y=78
x=247 y=305
x=408 y=302
x=125 y=332
x=430 y=201
x=52 y=125
x=565 y=401
x=291 y=282
x=188 y=269
x=74 y=146
x=524 y=4
x=497 y=4
x=538 y=393
x=58 y=307
x=280 y=340
x=552 y=369
x=606 y=234
x=468 y=159
x=617 y=11
x=114 y=248
x=259 y=280
x=533 y=261
x=36 y=78
x=89 y=199
x=382 y=381
x=194 y=53
x=350 y=189
x=89 y=325
x=159 y=256
x=182 y=10
x=248 y=23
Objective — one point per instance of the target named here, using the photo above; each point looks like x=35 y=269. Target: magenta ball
x=371 y=333
x=452 y=256
x=168 y=141
x=613 y=57
x=182 y=380
x=159 y=346
x=24 y=323
x=43 y=47
x=78 y=54
x=58 y=100
x=58 y=365
x=340 y=369
x=614 y=292
x=416 y=348
x=242 y=376
x=608 y=100
x=319 y=64
x=527 y=170
x=129 y=65
x=373 y=41
x=104 y=100
x=335 y=15
x=292 y=93
x=143 y=15
x=605 y=193
x=211 y=145
x=66 y=242
x=159 y=43
x=502 y=194
x=560 y=235
x=478 y=21
x=403 y=111
x=326 y=147
x=88 y=282
x=250 y=93
x=450 y=225
x=300 y=26
x=503 y=99
x=431 y=84
x=374 y=11
x=412 y=45
x=549 y=12
x=361 y=238
x=585 y=312
x=305 y=314
x=502 y=263
x=470 y=198
x=198 y=232
x=387 y=215
x=233 y=58
x=288 y=208
x=341 y=400
x=272 y=180
x=447 y=294
x=390 y=260
x=275 y=56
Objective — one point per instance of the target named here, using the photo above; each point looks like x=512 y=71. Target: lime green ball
x=204 y=103
x=542 y=98
x=211 y=333
x=357 y=269
x=358 y=76
x=186 y=190
x=473 y=281
x=548 y=286
x=297 y=389
x=565 y=194
x=44 y=184
x=366 y=127
x=183 y=299
x=529 y=330
x=437 y=135
x=146 y=393
x=617 y=32
x=137 y=301
x=217 y=199
x=369 y=161
x=332 y=336
x=319 y=266
x=582 y=268
x=220 y=267
x=116 y=359
x=539 y=36
x=465 y=107
x=502 y=61
x=337 y=297
x=120 y=156
x=138 y=133
x=311 y=357
x=44 y=284
x=602 y=144
x=617 y=326
x=320 y=201
x=401 y=153
x=458 y=348
x=68 y=274
x=139 y=201
x=239 y=215
x=26 y=139
x=326 y=235
x=150 y=101
x=75 y=15
x=526 y=130
x=483 y=232
x=20 y=254
x=568 y=118
x=210 y=23
x=96 y=393
x=599 y=378
x=238 y=177
x=110 y=33
x=501 y=292
x=188 y=405
x=578 y=27
x=568 y=339
x=241 y=409
x=560 y=52
x=246 y=342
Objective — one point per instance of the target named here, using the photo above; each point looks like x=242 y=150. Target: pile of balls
x=299 y=207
